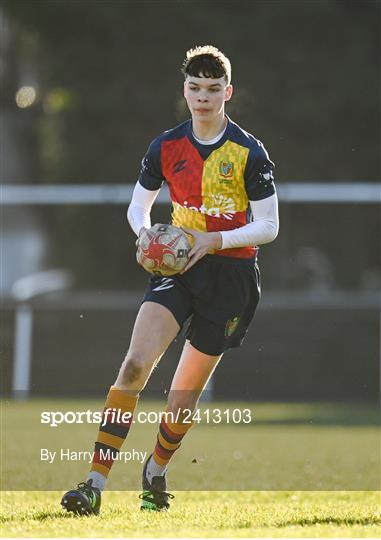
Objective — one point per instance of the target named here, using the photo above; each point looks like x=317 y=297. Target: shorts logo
x=226 y=169
x=165 y=283
x=231 y=326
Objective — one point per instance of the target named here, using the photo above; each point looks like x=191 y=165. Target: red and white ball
x=163 y=250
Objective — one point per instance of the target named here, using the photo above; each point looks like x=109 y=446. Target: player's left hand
x=204 y=242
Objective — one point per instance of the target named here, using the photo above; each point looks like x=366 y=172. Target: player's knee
x=133 y=369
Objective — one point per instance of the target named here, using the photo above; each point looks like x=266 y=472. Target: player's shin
x=114 y=428
x=170 y=435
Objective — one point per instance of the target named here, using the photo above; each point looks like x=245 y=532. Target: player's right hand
x=203 y=243
x=138 y=238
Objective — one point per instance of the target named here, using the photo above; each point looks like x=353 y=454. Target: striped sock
x=112 y=432
x=168 y=441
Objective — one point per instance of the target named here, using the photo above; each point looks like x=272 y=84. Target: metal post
x=23 y=351
x=23 y=290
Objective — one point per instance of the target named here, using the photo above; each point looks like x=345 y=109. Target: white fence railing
x=311 y=192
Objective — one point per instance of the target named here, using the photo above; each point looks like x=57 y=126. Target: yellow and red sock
x=113 y=429
x=168 y=440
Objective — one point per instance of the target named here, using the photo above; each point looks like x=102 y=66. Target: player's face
x=206 y=97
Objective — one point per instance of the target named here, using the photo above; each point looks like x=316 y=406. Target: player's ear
x=228 y=92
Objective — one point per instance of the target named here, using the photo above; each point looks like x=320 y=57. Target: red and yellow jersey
x=210 y=184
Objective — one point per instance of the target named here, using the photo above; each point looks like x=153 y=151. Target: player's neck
x=205 y=131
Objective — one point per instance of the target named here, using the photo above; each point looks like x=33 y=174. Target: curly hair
x=207 y=61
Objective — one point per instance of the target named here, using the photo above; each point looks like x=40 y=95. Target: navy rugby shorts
x=213 y=302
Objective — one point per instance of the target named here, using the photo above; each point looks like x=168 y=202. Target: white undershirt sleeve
x=262 y=230
x=138 y=213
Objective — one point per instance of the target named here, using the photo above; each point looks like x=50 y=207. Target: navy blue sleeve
x=151 y=176
x=259 y=177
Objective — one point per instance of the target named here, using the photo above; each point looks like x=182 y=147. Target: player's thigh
x=191 y=376
x=154 y=330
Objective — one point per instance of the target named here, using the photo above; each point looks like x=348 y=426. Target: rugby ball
x=163 y=250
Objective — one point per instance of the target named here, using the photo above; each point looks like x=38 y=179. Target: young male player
x=219 y=178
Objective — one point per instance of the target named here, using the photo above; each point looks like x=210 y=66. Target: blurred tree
x=306 y=74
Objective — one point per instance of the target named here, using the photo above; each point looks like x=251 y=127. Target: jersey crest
x=226 y=169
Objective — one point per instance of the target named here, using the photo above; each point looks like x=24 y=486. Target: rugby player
x=221 y=184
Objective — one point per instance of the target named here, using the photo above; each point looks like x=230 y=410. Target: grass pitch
x=298 y=445
x=200 y=514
